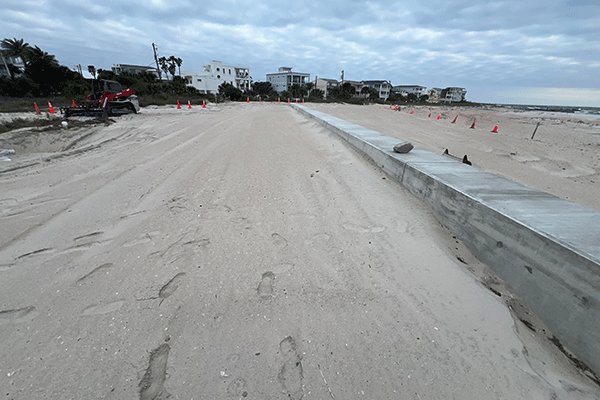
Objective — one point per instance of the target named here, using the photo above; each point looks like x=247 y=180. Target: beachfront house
x=383 y=88
x=325 y=85
x=357 y=86
x=285 y=78
x=453 y=95
x=118 y=69
x=10 y=62
x=405 y=90
x=216 y=73
x=434 y=95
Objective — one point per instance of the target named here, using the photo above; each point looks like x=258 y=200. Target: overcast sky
x=514 y=51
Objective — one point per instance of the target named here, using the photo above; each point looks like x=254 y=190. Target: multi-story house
x=325 y=85
x=118 y=69
x=405 y=90
x=285 y=78
x=383 y=87
x=215 y=74
x=453 y=94
x=6 y=62
x=434 y=95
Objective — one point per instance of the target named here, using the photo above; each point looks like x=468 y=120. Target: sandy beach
x=243 y=252
x=561 y=159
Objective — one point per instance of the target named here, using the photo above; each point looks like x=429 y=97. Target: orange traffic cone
x=302 y=100
x=178 y=105
x=288 y=99
x=51 y=108
x=473 y=125
x=390 y=106
x=495 y=130
x=247 y=99
x=37 y=109
x=396 y=107
x=429 y=116
x=74 y=105
x=260 y=99
x=279 y=99
x=189 y=104
x=412 y=112
x=454 y=121
x=438 y=117
x=203 y=104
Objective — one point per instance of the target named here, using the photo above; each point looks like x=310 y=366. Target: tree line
x=40 y=75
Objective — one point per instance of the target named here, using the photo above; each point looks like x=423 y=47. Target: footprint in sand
x=90 y=237
x=290 y=374
x=279 y=240
x=102 y=269
x=18 y=316
x=36 y=252
x=152 y=384
x=362 y=229
x=6 y=267
x=237 y=388
x=137 y=242
x=318 y=239
x=170 y=287
x=265 y=287
x=96 y=309
x=85 y=242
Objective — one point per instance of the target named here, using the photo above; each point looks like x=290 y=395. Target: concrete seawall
x=546 y=248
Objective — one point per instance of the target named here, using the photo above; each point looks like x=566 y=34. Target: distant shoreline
x=562 y=109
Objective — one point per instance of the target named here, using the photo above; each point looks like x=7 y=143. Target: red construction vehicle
x=108 y=99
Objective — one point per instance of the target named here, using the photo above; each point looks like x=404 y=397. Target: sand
x=561 y=159
x=243 y=252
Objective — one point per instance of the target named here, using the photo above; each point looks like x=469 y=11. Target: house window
x=199 y=80
x=217 y=69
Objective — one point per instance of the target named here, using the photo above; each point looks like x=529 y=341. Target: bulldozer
x=108 y=100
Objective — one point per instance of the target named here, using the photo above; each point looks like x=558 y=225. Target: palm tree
x=172 y=66
x=92 y=70
x=40 y=67
x=37 y=55
x=15 y=47
x=164 y=66
x=179 y=62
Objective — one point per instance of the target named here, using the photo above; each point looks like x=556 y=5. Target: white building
x=285 y=78
x=118 y=69
x=215 y=74
x=405 y=90
x=453 y=94
x=7 y=61
x=383 y=88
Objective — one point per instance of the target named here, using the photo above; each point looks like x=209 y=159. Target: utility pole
x=156 y=60
x=342 y=77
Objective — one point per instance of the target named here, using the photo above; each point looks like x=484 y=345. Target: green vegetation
x=40 y=78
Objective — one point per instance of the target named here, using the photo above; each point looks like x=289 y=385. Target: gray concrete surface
x=546 y=248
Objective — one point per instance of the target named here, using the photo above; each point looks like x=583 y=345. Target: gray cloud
x=436 y=43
